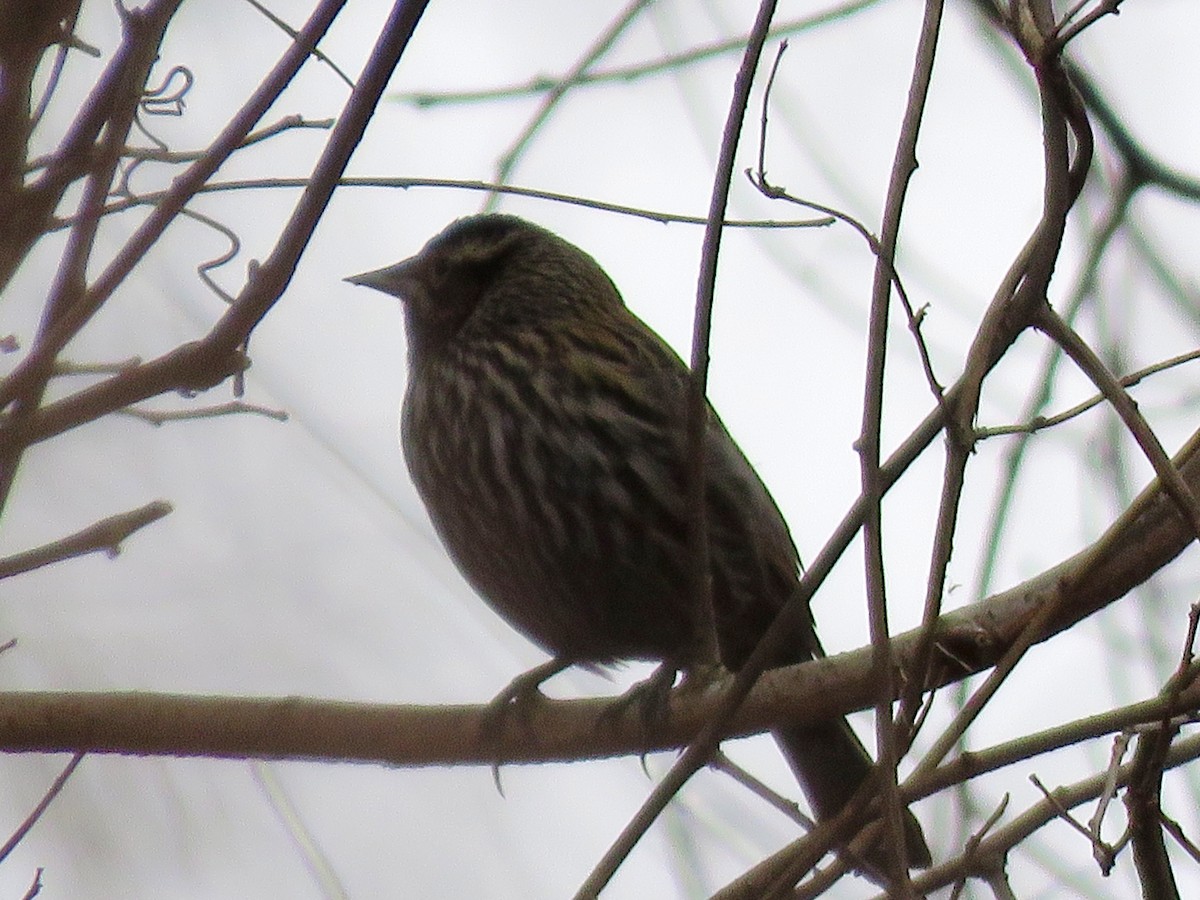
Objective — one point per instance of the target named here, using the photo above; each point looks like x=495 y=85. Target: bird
x=544 y=427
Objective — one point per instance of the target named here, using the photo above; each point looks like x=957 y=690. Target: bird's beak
x=396 y=280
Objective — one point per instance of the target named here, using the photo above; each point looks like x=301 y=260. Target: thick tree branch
x=1144 y=539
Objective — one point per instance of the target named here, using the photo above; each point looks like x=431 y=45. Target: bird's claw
x=650 y=698
x=519 y=696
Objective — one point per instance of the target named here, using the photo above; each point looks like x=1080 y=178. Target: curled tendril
x=166 y=100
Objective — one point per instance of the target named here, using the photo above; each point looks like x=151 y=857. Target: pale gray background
x=299 y=561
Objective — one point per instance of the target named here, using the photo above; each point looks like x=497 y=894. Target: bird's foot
x=519 y=696
x=650 y=699
x=705 y=677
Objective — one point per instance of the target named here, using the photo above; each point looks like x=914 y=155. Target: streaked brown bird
x=544 y=426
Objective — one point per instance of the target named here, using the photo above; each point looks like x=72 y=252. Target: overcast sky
x=298 y=559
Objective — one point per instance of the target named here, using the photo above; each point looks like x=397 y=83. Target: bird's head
x=499 y=269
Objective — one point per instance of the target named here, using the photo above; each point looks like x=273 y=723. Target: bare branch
x=1040 y=423
x=158 y=417
x=602 y=45
x=971 y=849
x=105 y=535
x=1050 y=323
x=53 y=791
x=1046 y=811
x=35 y=887
x=150 y=198
x=1104 y=854
x=706 y=742
x=553 y=730
x=625 y=74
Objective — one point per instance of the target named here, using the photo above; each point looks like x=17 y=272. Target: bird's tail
x=831 y=764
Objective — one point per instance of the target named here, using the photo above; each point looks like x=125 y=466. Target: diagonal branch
x=904 y=164
x=105 y=535
x=202 y=364
x=698 y=752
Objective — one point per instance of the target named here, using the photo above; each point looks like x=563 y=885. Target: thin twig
x=66 y=367
x=625 y=74
x=888 y=741
x=103 y=536
x=35 y=887
x=775 y=192
x=53 y=791
x=1130 y=718
x=305 y=842
x=1103 y=8
x=790 y=808
x=1032 y=633
x=1040 y=423
x=151 y=198
x=1174 y=829
x=1103 y=852
x=163 y=155
x=1052 y=325
x=158 y=417
x=971 y=848
x=1011 y=311
x=1116 y=756
x=554 y=96
x=702 y=748
x=295 y=35
x=56 y=69
x=1104 y=232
